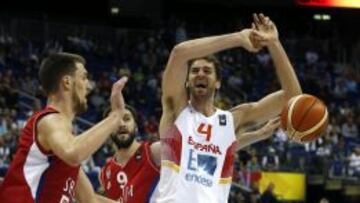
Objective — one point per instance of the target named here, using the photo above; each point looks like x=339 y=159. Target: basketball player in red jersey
x=46 y=167
x=132 y=174
x=198 y=140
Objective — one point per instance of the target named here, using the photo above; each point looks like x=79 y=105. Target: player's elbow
x=179 y=50
x=290 y=94
x=72 y=157
x=297 y=91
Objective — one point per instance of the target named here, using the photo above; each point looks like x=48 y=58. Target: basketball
x=304 y=118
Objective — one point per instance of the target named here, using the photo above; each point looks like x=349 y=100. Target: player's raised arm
x=174 y=94
x=266 y=34
x=55 y=134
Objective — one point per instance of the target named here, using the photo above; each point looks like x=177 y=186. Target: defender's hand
x=268 y=129
x=117 y=99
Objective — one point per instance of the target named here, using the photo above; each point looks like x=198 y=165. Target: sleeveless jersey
x=133 y=183
x=197 y=158
x=37 y=175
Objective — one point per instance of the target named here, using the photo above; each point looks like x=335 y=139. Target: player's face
x=126 y=133
x=202 y=81
x=81 y=88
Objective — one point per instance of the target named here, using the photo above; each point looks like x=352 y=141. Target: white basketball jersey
x=197 y=158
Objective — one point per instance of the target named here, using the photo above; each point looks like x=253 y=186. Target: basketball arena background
x=134 y=37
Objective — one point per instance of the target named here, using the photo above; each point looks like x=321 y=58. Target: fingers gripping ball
x=304 y=118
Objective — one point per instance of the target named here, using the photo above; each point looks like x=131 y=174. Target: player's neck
x=123 y=155
x=204 y=106
x=62 y=104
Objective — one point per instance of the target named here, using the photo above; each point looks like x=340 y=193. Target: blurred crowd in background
x=325 y=67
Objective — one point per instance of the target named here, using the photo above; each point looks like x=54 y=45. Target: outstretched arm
x=174 y=95
x=248 y=138
x=55 y=131
x=265 y=33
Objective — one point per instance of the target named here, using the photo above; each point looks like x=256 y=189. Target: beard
x=79 y=107
x=202 y=94
x=123 y=143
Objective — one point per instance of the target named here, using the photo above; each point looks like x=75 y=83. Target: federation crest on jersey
x=138 y=156
x=222 y=120
x=108 y=173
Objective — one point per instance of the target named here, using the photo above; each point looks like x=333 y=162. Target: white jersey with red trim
x=197 y=158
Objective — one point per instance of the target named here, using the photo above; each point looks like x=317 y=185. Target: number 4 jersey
x=197 y=158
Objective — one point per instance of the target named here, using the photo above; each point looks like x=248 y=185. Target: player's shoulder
x=146 y=146
x=54 y=120
x=109 y=161
x=151 y=150
x=154 y=146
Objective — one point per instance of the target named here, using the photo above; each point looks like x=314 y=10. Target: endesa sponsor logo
x=198 y=179
x=215 y=149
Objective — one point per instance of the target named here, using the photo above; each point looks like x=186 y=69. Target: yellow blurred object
x=288 y=186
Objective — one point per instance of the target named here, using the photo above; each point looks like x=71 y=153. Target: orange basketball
x=305 y=118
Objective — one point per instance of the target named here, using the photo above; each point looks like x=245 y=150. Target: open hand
x=117 y=99
x=248 y=40
x=264 y=31
x=268 y=129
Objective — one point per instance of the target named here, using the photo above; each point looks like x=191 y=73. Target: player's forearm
x=91 y=140
x=284 y=69
x=207 y=45
x=248 y=138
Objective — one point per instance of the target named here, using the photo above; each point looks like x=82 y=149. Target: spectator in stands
x=279 y=140
x=349 y=129
x=96 y=99
x=354 y=163
x=180 y=33
x=268 y=196
x=151 y=127
x=3 y=123
x=324 y=200
x=324 y=149
x=271 y=160
x=336 y=167
x=36 y=107
x=311 y=57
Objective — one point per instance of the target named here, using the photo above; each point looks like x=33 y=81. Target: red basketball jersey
x=37 y=175
x=133 y=183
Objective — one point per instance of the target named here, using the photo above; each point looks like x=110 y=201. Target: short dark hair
x=211 y=59
x=128 y=107
x=54 y=67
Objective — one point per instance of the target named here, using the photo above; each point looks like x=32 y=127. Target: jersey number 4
x=205 y=130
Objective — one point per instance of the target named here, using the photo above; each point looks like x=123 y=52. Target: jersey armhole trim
x=149 y=157
x=37 y=119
